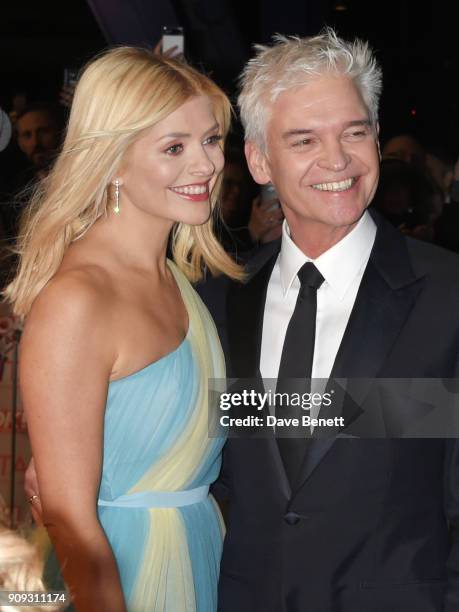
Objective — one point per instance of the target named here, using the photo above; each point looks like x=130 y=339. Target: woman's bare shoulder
x=77 y=297
x=76 y=287
x=68 y=322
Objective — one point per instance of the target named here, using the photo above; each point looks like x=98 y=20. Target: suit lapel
x=386 y=296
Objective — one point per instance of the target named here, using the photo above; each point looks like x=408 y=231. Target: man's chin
x=41 y=161
x=345 y=216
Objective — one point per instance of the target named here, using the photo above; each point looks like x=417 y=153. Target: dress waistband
x=159 y=499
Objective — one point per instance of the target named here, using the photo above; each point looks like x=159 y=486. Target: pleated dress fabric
x=164 y=528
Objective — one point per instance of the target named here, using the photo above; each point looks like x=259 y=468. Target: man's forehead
x=332 y=100
x=35 y=117
x=318 y=88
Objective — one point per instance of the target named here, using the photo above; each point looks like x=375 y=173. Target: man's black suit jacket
x=373 y=524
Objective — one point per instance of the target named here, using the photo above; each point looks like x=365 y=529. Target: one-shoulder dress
x=164 y=528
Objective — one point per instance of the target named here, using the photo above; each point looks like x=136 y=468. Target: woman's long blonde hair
x=119 y=95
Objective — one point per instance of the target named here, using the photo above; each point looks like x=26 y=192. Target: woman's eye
x=174 y=149
x=214 y=139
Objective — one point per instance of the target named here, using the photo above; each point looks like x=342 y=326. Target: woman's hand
x=32 y=492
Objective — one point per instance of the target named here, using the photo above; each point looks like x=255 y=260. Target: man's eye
x=214 y=139
x=356 y=134
x=304 y=142
x=174 y=149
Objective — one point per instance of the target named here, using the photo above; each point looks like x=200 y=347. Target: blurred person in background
x=447 y=227
x=249 y=220
x=266 y=217
x=38 y=134
x=38 y=129
x=406 y=148
x=444 y=230
x=21 y=569
x=236 y=195
x=440 y=165
x=408 y=197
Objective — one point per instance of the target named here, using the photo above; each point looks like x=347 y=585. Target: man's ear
x=257 y=163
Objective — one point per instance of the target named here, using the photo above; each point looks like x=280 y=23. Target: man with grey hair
x=336 y=523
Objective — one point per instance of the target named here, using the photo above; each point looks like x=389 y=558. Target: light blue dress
x=163 y=526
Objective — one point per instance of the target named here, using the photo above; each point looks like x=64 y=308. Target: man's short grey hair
x=293 y=62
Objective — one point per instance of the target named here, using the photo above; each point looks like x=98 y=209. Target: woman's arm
x=66 y=357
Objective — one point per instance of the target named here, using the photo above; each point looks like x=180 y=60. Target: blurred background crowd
x=46 y=44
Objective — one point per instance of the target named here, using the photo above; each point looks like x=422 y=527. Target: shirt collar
x=339 y=265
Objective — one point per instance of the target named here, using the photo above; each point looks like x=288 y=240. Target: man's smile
x=336 y=185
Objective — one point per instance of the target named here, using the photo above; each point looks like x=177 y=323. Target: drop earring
x=116 y=208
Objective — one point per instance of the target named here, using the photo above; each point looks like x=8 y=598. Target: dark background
x=416 y=43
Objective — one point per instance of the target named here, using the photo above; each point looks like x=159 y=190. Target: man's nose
x=334 y=156
x=40 y=139
x=33 y=141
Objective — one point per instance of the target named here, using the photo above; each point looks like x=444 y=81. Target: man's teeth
x=192 y=190
x=340 y=186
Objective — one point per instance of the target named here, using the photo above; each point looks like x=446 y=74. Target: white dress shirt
x=342 y=267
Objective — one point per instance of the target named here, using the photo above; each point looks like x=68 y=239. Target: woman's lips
x=195 y=193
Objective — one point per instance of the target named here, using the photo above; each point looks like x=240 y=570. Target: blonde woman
x=117 y=348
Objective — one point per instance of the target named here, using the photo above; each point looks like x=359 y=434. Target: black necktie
x=296 y=363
